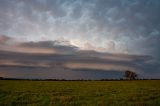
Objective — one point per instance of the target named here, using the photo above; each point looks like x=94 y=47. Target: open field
x=80 y=93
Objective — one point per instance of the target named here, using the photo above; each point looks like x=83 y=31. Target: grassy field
x=80 y=93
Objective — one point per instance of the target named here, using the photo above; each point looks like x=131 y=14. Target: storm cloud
x=81 y=33
x=131 y=26
x=68 y=59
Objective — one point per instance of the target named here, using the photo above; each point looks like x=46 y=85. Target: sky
x=74 y=39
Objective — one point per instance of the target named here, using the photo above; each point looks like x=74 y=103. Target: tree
x=130 y=75
x=1 y=78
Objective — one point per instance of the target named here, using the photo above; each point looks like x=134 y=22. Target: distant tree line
x=128 y=75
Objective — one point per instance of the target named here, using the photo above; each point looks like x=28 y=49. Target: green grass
x=80 y=93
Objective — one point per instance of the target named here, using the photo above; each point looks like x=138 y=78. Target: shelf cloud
x=64 y=57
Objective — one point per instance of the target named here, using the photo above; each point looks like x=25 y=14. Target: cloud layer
x=106 y=35
x=106 y=25
x=68 y=61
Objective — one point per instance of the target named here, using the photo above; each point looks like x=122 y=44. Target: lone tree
x=130 y=75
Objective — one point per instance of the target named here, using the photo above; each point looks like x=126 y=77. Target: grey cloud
x=77 y=60
x=57 y=46
x=57 y=62
x=4 y=39
x=62 y=47
x=133 y=26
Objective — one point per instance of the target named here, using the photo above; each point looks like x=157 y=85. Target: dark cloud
x=62 y=47
x=54 y=65
x=131 y=24
x=70 y=59
x=78 y=30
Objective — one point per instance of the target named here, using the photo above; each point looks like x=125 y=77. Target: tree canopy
x=130 y=75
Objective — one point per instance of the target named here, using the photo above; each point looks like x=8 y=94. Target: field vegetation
x=80 y=93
